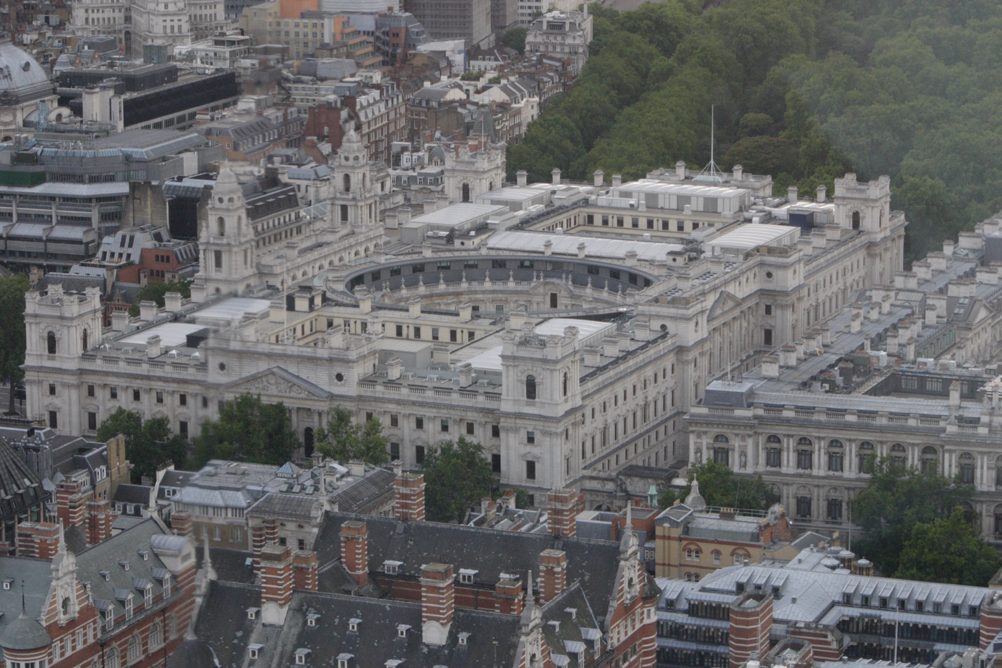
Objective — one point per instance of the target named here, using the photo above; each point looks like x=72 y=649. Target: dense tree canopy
x=895 y=501
x=344 y=440
x=149 y=444
x=804 y=90
x=12 y=340
x=250 y=430
x=948 y=550
x=457 y=477
x=719 y=486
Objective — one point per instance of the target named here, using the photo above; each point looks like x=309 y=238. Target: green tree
x=719 y=486
x=250 y=430
x=897 y=499
x=12 y=340
x=149 y=444
x=515 y=39
x=948 y=550
x=456 y=476
x=346 y=441
x=155 y=292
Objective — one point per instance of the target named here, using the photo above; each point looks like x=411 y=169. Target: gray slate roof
x=361 y=495
x=488 y=552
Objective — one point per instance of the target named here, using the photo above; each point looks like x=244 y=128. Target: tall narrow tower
x=225 y=241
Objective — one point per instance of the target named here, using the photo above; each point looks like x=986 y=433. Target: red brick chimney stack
x=750 y=624
x=355 y=551
x=563 y=508
x=508 y=598
x=99 y=521
x=69 y=503
x=408 y=499
x=180 y=522
x=276 y=584
x=553 y=571
x=304 y=570
x=438 y=602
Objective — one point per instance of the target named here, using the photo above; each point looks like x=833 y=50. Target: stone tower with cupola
x=541 y=393
x=356 y=192
x=225 y=241
x=866 y=207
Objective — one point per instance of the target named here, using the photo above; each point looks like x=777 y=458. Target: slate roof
x=488 y=552
x=35 y=575
x=125 y=547
x=363 y=493
x=20 y=487
x=289 y=506
x=230 y=565
x=128 y=493
x=565 y=620
x=223 y=623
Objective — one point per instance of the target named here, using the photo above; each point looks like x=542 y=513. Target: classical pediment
x=724 y=302
x=277 y=382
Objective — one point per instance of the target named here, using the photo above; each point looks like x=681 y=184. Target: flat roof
x=234 y=307
x=489 y=360
x=749 y=236
x=457 y=214
x=652 y=186
x=567 y=244
x=519 y=194
x=56 y=188
x=172 y=334
x=586 y=328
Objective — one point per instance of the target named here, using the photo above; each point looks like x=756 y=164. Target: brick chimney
x=69 y=503
x=553 y=572
x=276 y=584
x=408 y=497
x=263 y=534
x=750 y=624
x=508 y=595
x=304 y=570
x=563 y=508
x=180 y=523
x=38 y=540
x=99 y=521
x=438 y=602
x=991 y=619
x=355 y=551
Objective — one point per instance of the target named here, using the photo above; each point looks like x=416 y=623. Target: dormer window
x=109 y=617
x=463 y=637
x=124 y=564
x=254 y=651
x=128 y=607
x=252 y=613
x=466 y=576
x=311 y=619
x=301 y=655
x=106 y=575
x=148 y=596
x=392 y=567
x=165 y=583
x=344 y=659
x=7 y=583
x=353 y=624
x=144 y=554
x=402 y=630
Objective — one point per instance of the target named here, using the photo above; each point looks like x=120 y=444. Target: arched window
x=930 y=460
x=466 y=192
x=855 y=220
x=347 y=183
x=864 y=457
x=716 y=557
x=221 y=225
x=565 y=383
x=803 y=440
x=135 y=648
x=720 y=438
x=966 y=468
x=156 y=635
x=530 y=387
x=898 y=454
x=836 y=456
x=50 y=342
x=66 y=605
x=85 y=339
x=772 y=438
x=111 y=658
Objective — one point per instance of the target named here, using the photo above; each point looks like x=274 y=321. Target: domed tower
x=226 y=240
x=356 y=196
x=24 y=87
x=25 y=642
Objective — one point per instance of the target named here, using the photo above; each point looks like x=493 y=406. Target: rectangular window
x=453 y=335
x=805 y=460
x=182 y=399
x=394 y=420
x=495 y=463
x=434 y=333
x=419 y=423
x=835 y=511
x=444 y=426
x=803 y=506
x=417 y=332
x=52 y=389
x=773 y=458
x=496 y=431
x=530 y=470
x=182 y=428
x=530 y=436
x=92 y=421
x=53 y=420
x=113 y=392
x=160 y=396
x=394 y=452
x=470 y=429
x=835 y=461
x=767 y=336
x=768 y=309
x=419 y=454
x=218 y=257
x=400 y=331
x=135 y=395
x=90 y=390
